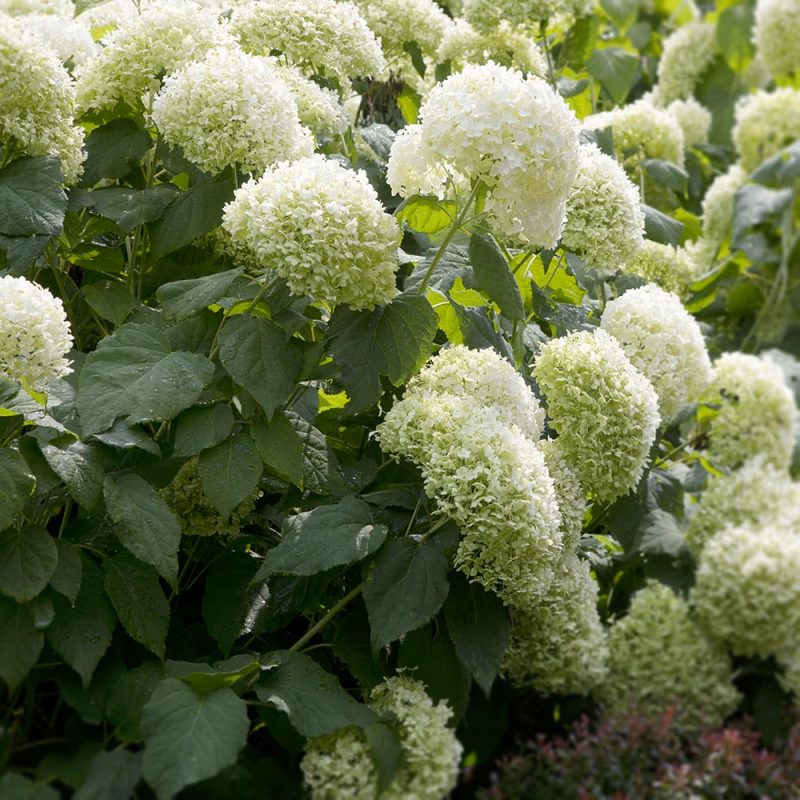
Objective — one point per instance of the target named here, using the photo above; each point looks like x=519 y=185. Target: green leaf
x=81 y=634
x=494 y=277
x=191 y=214
x=184 y=298
x=135 y=374
x=735 y=36
x=137 y=598
x=280 y=447
x=28 y=558
x=257 y=356
x=718 y=91
x=22 y=251
x=144 y=523
x=14 y=786
x=667 y=174
x=112 y=776
x=325 y=537
x=426 y=214
x=31 y=197
x=406 y=586
x=16 y=485
x=754 y=204
x=408 y=101
x=417 y=59
x=188 y=737
x=200 y=428
x=320 y=465
x=128 y=695
x=129 y=208
x=111 y=300
x=16 y=626
x=222 y=675
x=80 y=466
x=67 y=578
x=660 y=227
x=230 y=472
x=616 y=69
x=621 y=12
x=479 y=626
x=393 y=340
x=234 y=600
x=579 y=42
x=660 y=534
x=113 y=150
x=311 y=697
x=782 y=169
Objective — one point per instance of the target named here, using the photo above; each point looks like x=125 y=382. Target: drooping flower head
x=320 y=227
x=756 y=413
x=605 y=222
x=663 y=341
x=660 y=658
x=694 y=119
x=687 y=54
x=777 y=35
x=558 y=645
x=604 y=410
x=231 y=108
x=339 y=766
x=486 y=15
x=671 y=268
x=325 y=37
x=34 y=334
x=766 y=122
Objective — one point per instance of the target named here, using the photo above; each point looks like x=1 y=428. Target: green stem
x=438 y=526
x=550 y=72
x=315 y=629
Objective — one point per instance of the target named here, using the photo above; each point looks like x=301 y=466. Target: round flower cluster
x=641 y=130
x=34 y=334
x=659 y=657
x=604 y=410
x=777 y=35
x=411 y=170
x=670 y=268
x=339 y=766
x=37 y=99
x=687 y=54
x=694 y=119
x=195 y=512
x=319 y=109
x=569 y=494
x=746 y=591
x=718 y=204
x=486 y=15
x=747 y=496
x=491 y=480
x=135 y=56
x=664 y=342
x=559 y=645
x=320 y=227
x=766 y=122
x=605 y=222
x=515 y=134
x=68 y=38
x=486 y=376
x=505 y=45
x=756 y=415
x=231 y=108
x=324 y=36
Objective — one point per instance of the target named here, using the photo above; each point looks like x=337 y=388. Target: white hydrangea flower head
x=687 y=54
x=22 y=8
x=757 y=412
x=746 y=590
x=515 y=134
x=766 y=122
x=486 y=15
x=491 y=480
x=660 y=658
x=231 y=108
x=164 y=37
x=319 y=109
x=605 y=221
x=412 y=169
x=486 y=377
x=604 y=410
x=672 y=269
x=339 y=766
x=34 y=334
x=558 y=646
x=718 y=204
x=37 y=98
x=68 y=38
x=569 y=494
x=505 y=45
x=694 y=119
x=322 y=228
x=755 y=492
x=641 y=130
x=326 y=37
x=664 y=342
x=777 y=35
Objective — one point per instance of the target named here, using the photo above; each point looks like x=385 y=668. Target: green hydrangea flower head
x=718 y=204
x=671 y=268
x=604 y=410
x=777 y=35
x=694 y=119
x=659 y=657
x=558 y=645
x=322 y=228
x=766 y=122
x=486 y=15
x=569 y=493
x=687 y=54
